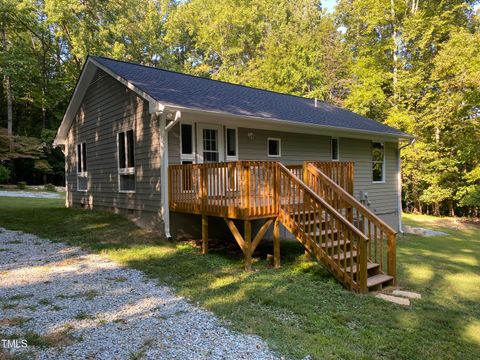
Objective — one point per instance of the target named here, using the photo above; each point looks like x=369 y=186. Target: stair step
x=307 y=212
x=345 y=255
x=370 y=266
x=323 y=232
x=378 y=279
x=312 y=222
x=335 y=243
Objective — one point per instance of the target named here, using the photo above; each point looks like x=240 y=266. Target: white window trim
x=125 y=171
x=81 y=173
x=227 y=157
x=192 y=156
x=199 y=135
x=279 y=147
x=384 y=163
x=338 y=148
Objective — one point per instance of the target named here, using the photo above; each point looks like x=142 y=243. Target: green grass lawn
x=299 y=309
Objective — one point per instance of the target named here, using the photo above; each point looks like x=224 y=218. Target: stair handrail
x=344 y=226
x=350 y=199
x=363 y=210
x=324 y=203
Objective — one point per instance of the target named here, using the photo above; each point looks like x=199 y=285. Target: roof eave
x=86 y=76
x=88 y=72
x=402 y=136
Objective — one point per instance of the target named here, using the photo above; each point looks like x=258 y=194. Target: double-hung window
x=126 y=161
x=82 y=175
x=378 y=162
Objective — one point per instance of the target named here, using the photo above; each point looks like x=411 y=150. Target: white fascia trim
x=86 y=76
x=295 y=124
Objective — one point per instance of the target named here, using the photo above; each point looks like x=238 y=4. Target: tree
x=286 y=46
x=407 y=65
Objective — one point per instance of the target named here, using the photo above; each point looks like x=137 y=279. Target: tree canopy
x=413 y=64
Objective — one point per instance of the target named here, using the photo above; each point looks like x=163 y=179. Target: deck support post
x=391 y=258
x=276 y=243
x=362 y=271
x=247 y=234
x=245 y=242
x=204 y=234
x=308 y=257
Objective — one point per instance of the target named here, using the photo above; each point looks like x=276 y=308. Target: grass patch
x=89 y=294
x=45 y=302
x=52 y=339
x=299 y=309
x=18 y=297
x=82 y=315
x=14 y=321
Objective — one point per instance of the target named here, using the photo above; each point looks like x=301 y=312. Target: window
x=378 y=162
x=274 y=147
x=210 y=145
x=82 y=179
x=231 y=135
x=126 y=161
x=334 y=147
x=186 y=142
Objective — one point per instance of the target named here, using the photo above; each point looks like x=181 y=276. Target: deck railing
x=301 y=210
x=381 y=247
x=340 y=172
x=239 y=189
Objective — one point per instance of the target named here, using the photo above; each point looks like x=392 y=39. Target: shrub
x=4 y=174
x=22 y=185
x=50 y=187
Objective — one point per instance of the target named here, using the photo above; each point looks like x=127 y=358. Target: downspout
x=399 y=182
x=164 y=130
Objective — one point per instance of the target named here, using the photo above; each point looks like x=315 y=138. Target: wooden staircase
x=322 y=215
x=313 y=201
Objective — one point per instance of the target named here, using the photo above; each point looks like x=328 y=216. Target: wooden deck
x=314 y=201
x=241 y=189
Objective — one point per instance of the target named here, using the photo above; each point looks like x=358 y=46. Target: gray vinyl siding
x=296 y=148
x=382 y=196
x=108 y=108
x=174 y=145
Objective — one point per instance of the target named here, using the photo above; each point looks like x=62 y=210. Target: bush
x=22 y=185
x=50 y=187
x=4 y=174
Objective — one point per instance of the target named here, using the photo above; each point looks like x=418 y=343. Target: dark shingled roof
x=182 y=90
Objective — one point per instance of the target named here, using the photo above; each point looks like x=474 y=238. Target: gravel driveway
x=69 y=304
x=30 y=194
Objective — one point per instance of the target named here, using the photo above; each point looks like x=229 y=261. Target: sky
x=329 y=4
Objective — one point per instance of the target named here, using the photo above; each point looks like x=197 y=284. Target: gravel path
x=69 y=304
x=30 y=194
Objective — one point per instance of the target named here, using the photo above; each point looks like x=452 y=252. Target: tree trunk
x=395 y=53
x=8 y=85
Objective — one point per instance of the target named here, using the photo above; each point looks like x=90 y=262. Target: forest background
x=412 y=64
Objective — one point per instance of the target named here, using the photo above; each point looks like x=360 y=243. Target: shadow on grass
x=299 y=309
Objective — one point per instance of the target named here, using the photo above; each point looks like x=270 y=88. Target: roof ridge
x=215 y=80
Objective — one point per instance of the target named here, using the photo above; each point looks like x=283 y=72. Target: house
x=187 y=155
